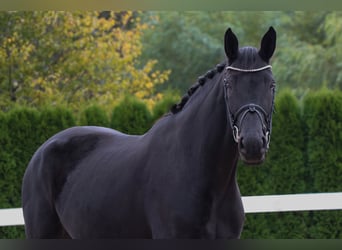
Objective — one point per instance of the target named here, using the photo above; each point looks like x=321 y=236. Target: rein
x=235 y=122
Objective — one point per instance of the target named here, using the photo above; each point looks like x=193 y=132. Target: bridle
x=236 y=119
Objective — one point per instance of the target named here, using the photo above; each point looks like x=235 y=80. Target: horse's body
x=178 y=180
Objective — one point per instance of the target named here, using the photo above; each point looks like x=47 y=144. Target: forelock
x=248 y=59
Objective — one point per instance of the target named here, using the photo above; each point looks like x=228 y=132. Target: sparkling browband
x=249 y=70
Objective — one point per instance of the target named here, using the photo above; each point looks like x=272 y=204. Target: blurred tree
x=75 y=58
x=333 y=42
x=72 y=58
x=308 y=51
x=180 y=46
x=305 y=25
x=190 y=43
x=309 y=54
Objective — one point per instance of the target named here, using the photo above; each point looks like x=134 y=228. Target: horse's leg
x=41 y=219
x=230 y=214
x=184 y=224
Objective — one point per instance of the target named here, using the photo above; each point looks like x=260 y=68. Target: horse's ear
x=231 y=45
x=268 y=44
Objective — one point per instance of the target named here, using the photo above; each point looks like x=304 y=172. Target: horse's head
x=249 y=91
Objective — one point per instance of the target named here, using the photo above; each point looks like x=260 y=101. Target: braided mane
x=200 y=82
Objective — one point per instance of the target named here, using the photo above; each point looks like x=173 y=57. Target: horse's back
x=61 y=153
x=49 y=170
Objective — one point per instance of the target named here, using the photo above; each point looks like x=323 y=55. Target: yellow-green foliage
x=73 y=58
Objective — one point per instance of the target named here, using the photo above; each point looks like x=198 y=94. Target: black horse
x=178 y=180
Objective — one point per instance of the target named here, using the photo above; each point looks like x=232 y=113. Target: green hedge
x=305 y=156
x=7 y=164
x=323 y=121
x=323 y=116
x=54 y=120
x=131 y=116
x=23 y=137
x=163 y=106
x=94 y=116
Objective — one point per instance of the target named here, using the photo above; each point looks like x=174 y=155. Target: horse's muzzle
x=252 y=150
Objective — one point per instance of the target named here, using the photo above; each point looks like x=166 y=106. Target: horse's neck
x=201 y=136
x=203 y=120
x=204 y=128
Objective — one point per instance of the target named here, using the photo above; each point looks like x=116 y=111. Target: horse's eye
x=273 y=85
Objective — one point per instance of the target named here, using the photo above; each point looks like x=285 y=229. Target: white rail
x=252 y=204
x=292 y=202
x=11 y=217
